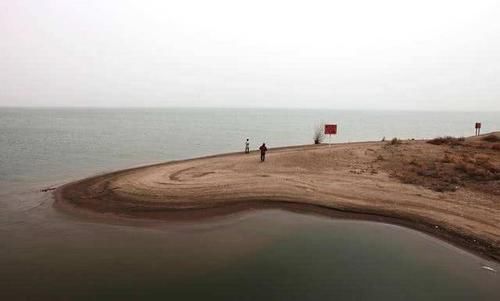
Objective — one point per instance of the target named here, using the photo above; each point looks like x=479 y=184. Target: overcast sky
x=356 y=54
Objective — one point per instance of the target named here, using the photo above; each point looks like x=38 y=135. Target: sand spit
x=384 y=181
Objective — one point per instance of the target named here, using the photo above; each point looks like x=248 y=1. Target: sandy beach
x=449 y=189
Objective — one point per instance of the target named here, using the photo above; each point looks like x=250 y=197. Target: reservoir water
x=46 y=254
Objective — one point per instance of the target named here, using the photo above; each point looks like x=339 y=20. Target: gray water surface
x=255 y=255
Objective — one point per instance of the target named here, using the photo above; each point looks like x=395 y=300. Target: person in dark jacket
x=263 y=150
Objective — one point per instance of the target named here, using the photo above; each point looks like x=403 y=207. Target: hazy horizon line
x=244 y=108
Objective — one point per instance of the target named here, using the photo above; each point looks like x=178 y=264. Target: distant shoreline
x=348 y=180
x=306 y=108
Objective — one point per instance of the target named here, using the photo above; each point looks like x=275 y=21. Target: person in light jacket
x=247 y=147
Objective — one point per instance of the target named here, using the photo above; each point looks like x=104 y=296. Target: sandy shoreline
x=344 y=180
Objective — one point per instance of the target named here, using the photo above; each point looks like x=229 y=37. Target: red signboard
x=330 y=129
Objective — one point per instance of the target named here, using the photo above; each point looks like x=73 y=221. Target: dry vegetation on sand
x=451 y=164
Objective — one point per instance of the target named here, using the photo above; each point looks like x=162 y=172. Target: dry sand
x=353 y=179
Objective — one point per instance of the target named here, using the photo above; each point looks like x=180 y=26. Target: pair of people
x=262 y=148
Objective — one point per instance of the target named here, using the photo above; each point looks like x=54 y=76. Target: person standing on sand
x=263 y=150
x=247 y=147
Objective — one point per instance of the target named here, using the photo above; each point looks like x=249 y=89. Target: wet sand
x=347 y=180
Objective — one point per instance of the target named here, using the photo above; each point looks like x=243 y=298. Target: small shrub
x=446 y=140
x=319 y=134
x=436 y=141
x=467 y=158
x=461 y=166
x=428 y=172
x=414 y=163
x=447 y=159
x=395 y=141
x=491 y=138
x=409 y=180
x=482 y=145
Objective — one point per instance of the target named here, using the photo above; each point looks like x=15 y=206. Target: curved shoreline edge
x=99 y=197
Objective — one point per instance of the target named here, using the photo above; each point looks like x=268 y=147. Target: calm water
x=271 y=254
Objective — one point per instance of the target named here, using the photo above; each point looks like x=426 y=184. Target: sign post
x=330 y=129
x=478 y=128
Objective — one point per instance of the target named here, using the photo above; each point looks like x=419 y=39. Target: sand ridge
x=349 y=178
